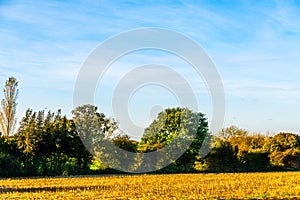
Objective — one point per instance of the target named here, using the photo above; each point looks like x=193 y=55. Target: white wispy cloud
x=255 y=46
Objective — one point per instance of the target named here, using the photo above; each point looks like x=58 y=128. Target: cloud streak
x=255 y=46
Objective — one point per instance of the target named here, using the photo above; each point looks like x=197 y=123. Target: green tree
x=221 y=157
x=288 y=159
x=162 y=130
x=50 y=144
x=27 y=141
x=124 y=142
x=9 y=158
x=243 y=144
x=94 y=129
x=284 y=150
x=63 y=151
x=282 y=142
x=8 y=107
x=255 y=159
x=179 y=123
x=83 y=158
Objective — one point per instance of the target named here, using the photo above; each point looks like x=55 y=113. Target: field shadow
x=55 y=189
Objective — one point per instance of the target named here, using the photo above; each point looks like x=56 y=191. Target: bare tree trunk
x=8 y=107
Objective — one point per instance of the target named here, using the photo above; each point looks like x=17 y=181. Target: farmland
x=279 y=185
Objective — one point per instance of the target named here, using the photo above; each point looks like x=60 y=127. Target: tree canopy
x=49 y=143
x=176 y=123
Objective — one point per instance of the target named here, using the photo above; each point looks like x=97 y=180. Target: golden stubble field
x=281 y=185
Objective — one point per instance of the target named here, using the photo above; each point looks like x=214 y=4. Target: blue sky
x=255 y=46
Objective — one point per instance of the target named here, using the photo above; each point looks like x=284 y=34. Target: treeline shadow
x=55 y=189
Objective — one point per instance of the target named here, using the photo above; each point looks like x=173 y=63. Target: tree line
x=49 y=143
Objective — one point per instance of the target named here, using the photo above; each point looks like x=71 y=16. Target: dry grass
x=182 y=186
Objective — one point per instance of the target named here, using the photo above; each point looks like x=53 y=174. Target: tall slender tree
x=8 y=107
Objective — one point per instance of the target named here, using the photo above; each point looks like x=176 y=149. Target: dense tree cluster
x=45 y=144
x=48 y=143
x=246 y=152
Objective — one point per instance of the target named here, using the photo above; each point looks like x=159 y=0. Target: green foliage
x=253 y=153
x=9 y=165
x=282 y=142
x=164 y=129
x=256 y=159
x=201 y=165
x=182 y=124
x=93 y=127
x=284 y=150
x=221 y=157
x=49 y=143
x=124 y=142
x=289 y=158
x=97 y=165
